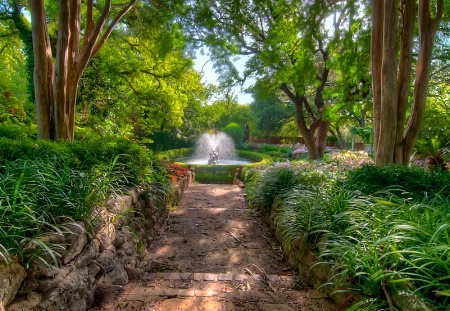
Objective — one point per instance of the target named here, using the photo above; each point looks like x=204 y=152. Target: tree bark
x=388 y=116
x=56 y=86
x=376 y=62
x=404 y=74
x=308 y=134
x=394 y=143
x=427 y=30
x=61 y=71
x=43 y=70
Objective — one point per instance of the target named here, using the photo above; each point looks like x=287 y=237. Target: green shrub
x=268 y=148
x=415 y=180
x=44 y=185
x=174 y=154
x=131 y=156
x=236 y=133
x=309 y=211
x=391 y=245
x=13 y=131
x=259 y=159
x=166 y=140
x=38 y=197
x=279 y=180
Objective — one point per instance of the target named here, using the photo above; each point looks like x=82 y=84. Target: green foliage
x=24 y=28
x=277 y=181
x=156 y=81
x=236 y=133
x=44 y=186
x=39 y=197
x=166 y=141
x=416 y=181
x=277 y=153
x=15 y=132
x=366 y=133
x=215 y=174
x=174 y=154
x=309 y=211
x=386 y=245
x=434 y=147
x=391 y=245
x=259 y=159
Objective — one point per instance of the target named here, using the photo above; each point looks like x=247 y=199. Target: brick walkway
x=214 y=254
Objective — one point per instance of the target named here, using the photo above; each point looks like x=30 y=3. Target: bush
x=415 y=180
x=279 y=180
x=38 y=197
x=236 y=133
x=45 y=185
x=12 y=131
x=165 y=141
x=386 y=244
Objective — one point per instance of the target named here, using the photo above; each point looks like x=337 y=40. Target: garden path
x=214 y=254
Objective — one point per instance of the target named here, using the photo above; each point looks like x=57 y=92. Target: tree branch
x=111 y=27
x=89 y=21
x=88 y=45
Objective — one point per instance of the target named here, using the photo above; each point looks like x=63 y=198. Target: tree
x=156 y=78
x=56 y=83
x=271 y=112
x=14 y=105
x=291 y=43
x=391 y=59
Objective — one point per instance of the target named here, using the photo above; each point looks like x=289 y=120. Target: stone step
x=200 y=276
x=142 y=293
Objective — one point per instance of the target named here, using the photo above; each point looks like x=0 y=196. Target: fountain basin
x=219 y=173
x=197 y=161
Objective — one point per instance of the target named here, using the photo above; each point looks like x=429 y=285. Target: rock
x=410 y=303
x=120 y=204
x=89 y=253
x=24 y=304
x=119 y=239
x=118 y=276
x=77 y=240
x=106 y=258
x=11 y=276
x=134 y=193
x=28 y=285
x=47 y=285
x=71 y=292
x=107 y=235
x=93 y=272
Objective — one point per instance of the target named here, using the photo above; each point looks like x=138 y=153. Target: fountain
x=216 y=148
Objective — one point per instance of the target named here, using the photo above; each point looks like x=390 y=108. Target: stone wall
x=128 y=224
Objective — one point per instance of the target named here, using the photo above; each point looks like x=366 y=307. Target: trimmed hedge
x=220 y=174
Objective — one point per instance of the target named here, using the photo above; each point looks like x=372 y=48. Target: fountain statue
x=210 y=146
x=213 y=158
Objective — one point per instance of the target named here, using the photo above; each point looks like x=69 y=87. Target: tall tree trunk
x=56 y=86
x=61 y=69
x=427 y=30
x=390 y=85
x=321 y=141
x=404 y=74
x=388 y=114
x=308 y=134
x=43 y=70
x=376 y=62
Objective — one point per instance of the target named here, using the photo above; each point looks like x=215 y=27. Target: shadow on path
x=213 y=254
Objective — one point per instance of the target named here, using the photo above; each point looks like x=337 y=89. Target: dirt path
x=214 y=254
